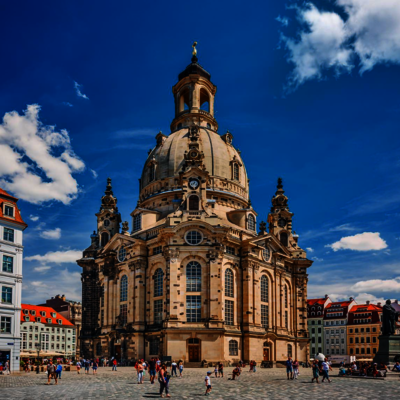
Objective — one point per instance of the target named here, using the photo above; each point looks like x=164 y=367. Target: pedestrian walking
x=87 y=366
x=139 y=372
x=180 y=369
x=208 y=384
x=220 y=369
x=216 y=370
x=51 y=372
x=295 y=369
x=315 y=371
x=173 y=368
x=236 y=372
x=114 y=365
x=254 y=366
x=163 y=379
x=289 y=368
x=59 y=370
x=95 y=365
x=152 y=370
x=78 y=367
x=325 y=370
x=7 y=368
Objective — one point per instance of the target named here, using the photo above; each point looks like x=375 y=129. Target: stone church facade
x=193 y=279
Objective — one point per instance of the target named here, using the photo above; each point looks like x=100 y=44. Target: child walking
x=208 y=384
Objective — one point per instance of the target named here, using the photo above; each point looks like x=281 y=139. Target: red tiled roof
x=7 y=198
x=312 y=302
x=370 y=307
x=341 y=303
x=43 y=320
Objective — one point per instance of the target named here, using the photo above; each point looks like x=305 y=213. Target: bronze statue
x=389 y=318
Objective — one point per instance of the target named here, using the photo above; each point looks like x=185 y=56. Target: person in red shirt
x=114 y=368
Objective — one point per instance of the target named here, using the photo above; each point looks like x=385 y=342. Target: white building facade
x=11 y=254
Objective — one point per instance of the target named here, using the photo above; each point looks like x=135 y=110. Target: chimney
x=379 y=304
x=367 y=302
x=351 y=298
x=63 y=297
x=326 y=296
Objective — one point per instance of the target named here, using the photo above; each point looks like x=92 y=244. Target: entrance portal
x=194 y=350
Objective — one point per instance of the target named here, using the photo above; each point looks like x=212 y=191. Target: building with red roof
x=46 y=330
x=335 y=322
x=315 y=323
x=12 y=227
x=363 y=329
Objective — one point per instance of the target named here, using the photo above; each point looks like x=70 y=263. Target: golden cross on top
x=194 y=49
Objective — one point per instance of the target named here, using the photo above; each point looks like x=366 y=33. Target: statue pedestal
x=389 y=349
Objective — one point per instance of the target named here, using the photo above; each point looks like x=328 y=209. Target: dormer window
x=33 y=312
x=9 y=211
x=26 y=312
x=53 y=314
x=152 y=173
x=43 y=313
x=137 y=222
x=236 y=173
x=27 y=319
x=37 y=319
x=49 y=321
x=59 y=321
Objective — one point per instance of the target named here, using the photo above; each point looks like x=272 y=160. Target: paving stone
x=264 y=384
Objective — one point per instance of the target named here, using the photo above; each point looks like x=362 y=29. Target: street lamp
x=38 y=352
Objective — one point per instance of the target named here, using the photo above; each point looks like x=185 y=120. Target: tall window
x=264 y=289
x=7 y=264
x=104 y=239
x=264 y=315
x=158 y=282
x=6 y=294
x=8 y=235
x=286 y=296
x=123 y=314
x=137 y=222
x=154 y=345
x=152 y=172
x=286 y=319
x=233 y=348
x=5 y=325
x=102 y=296
x=24 y=344
x=236 y=175
x=193 y=308
x=289 y=350
x=123 y=290
x=251 y=223
x=158 y=311
x=284 y=239
x=193 y=277
x=229 y=283
x=194 y=203
x=229 y=312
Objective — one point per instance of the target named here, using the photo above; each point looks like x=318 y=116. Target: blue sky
x=310 y=92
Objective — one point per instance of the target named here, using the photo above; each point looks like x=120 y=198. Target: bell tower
x=194 y=97
x=108 y=218
x=280 y=217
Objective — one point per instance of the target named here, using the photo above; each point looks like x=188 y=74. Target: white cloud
x=317 y=259
x=37 y=162
x=361 y=242
x=377 y=285
x=283 y=20
x=57 y=257
x=78 y=91
x=362 y=298
x=66 y=103
x=42 y=268
x=310 y=249
x=34 y=218
x=52 y=234
x=94 y=173
x=369 y=33
x=343 y=227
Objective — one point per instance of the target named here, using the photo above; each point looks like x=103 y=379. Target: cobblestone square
x=264 y=384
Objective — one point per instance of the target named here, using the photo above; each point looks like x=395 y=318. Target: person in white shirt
x=173 y=368
x=208 y=383
x=325 y=370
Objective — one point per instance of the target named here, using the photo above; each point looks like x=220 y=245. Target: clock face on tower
x=194 y=184
x=282 y=222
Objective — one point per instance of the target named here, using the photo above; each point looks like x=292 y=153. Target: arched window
x=236 y=174
x=233 y=348
x=204 y=100
x=98 y=349
x=158 y=282
x=264 y=289
x=289 y=350
x=104 y=239
x=137 y=222
x=251 y=223
x=229 y=283
x=123 y=290
x=194 y=203
x=193 y=277
x=284 y=239
x=286 y=296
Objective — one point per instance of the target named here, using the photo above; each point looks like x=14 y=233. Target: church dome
x=221 y=159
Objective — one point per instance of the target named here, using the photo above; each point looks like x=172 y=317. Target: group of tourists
x=5 y=369
x=87 y=364
x=321 y=367
x=292 y=368
x=53 y=371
